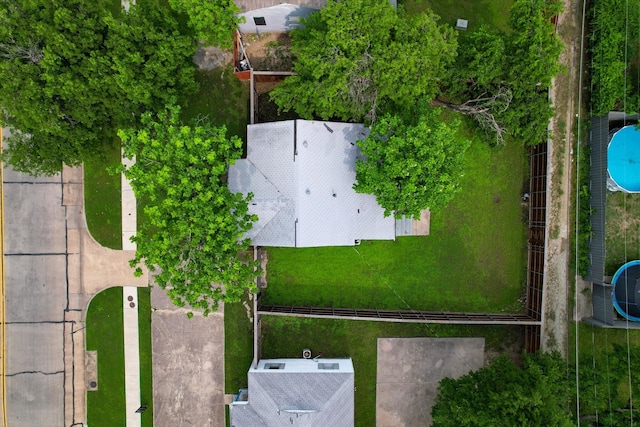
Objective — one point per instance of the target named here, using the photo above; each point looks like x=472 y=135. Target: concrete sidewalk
x=131 y=355
x=130 y=309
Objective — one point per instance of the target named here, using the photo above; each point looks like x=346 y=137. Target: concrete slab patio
x=409 y=370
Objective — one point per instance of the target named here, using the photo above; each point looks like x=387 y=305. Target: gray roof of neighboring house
x=278 y=16
x=247 y=5
x=302 y=174
x=313 y=398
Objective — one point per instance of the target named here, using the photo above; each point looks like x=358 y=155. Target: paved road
x=36 y=261
x=53 y=267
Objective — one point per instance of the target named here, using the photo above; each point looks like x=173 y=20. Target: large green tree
x=503 y=394
x=411 y=164
x=50 y=67
x=354 y=56
x=213 y=21
x=71 y=72
x=192 y=236
x=501 y=79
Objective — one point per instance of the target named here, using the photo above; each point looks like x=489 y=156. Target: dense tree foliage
x=192 y=238
x=503 y=394
x=149 y=58
x=412 y=163
x=615 y=28
x=213 y=21
x=355 y=55
x=518 y=65
x=71 y=72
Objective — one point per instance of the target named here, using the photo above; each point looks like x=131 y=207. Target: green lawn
x=473 y=260
x=106 y=406
x=102 y=197
x=222 y=98
x=238 y=346
x=286 y=337
x=622 y=233
x=104 y=333
x=146 y=354
x=491 y=12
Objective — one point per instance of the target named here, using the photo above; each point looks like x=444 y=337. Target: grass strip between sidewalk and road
x=105 y=335
x=102 y=197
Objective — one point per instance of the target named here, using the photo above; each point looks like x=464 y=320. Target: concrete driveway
x=188 y=365
x=409 y=370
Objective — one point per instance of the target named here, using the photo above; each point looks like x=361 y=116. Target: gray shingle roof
x=302 y=174
x=298 y=397
x=246 y=5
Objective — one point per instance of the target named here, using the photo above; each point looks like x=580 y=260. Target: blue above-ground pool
x=623 y=159
x=626 y=291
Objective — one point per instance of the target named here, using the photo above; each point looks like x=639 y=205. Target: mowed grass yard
x=105 y=334
x=477 y=12
x=473 y=260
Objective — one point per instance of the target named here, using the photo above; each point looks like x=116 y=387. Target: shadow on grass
x=102 y=197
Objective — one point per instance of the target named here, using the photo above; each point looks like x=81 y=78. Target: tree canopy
x=355 y=55
x=518 y=67
x=192 y=238
x=503 y=394
x=411 y=164
x=72 y=71
x=213 y=21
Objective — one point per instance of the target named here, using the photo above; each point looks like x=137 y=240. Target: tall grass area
x=473 y=260
x=105 y=334
x=609 y=373
x=287 y=336
x=622 y=233
x=491 y=12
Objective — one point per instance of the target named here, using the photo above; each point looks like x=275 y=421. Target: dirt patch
x=269 y=51
x=564 y=92
x=210 y=57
